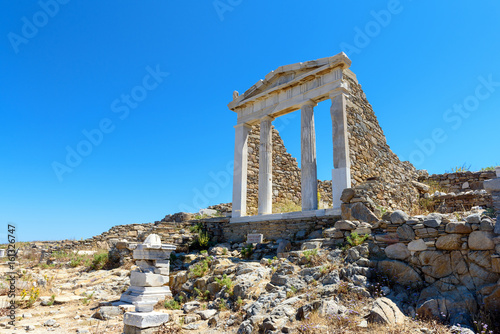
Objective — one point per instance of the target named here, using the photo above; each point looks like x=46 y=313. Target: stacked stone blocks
x=147 y=286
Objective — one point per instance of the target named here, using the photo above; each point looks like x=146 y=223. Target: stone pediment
x=289 y=75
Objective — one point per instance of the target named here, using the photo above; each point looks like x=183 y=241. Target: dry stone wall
x=460 y=191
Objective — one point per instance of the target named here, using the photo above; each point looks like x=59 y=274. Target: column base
x=341 y=179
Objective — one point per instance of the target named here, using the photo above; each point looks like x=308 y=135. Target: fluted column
x=341 y=174
x=309 y=174
x=266 y=166
x=240 y=170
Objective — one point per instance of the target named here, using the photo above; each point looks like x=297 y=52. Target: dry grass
x=286 y=206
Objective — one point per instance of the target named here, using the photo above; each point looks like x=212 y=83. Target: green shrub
x=99 y=261
x=355 y=240
x=201 y=268
x=227 y=282
x=310 y=253
x=172 y=304
x=196 y=228
x=247 y=251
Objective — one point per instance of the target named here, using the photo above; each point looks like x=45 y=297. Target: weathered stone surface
x=145 y=319
x=458 y=227
x=400 y=272
x=492 y=185
x=426 y=232
x=347 y=195
x=449 y=242
x=311 y=245
x=473 y=219
x=107 y=312
x=417 y=245
x=435 y=263
x=385 y=311
x=481 y=258
x=397 y=251
x=481 y=240
x=206 y=314
x=492 y=301
x=435 y=304
x=345 y=225
x=359 y=211
x=399 y=217
x=405 y=232
x=191 y=306
x=147 y=279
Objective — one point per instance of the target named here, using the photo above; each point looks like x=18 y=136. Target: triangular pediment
x=288 y=75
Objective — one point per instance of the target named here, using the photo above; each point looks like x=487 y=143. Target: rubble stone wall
x=455 y=262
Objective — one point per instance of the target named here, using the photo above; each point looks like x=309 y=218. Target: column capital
x=267 y=118
x=242 y=124
x=308 y=103
x=340 y=90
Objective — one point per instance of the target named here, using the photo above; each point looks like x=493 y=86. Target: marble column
x=266 y=166
x=309 y=174
x=341 y=174
x=240 y=170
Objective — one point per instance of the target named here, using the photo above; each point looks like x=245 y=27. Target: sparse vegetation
x=100 y=260
x=355 y=240
x=225 y=281
x=200 y=268
x=287 y=206
x=247 y=251
x=87 y=298
x=460 y=169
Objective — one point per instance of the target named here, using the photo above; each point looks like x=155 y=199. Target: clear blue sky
x=149 y=83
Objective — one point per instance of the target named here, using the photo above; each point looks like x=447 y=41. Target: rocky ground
x=314 y=287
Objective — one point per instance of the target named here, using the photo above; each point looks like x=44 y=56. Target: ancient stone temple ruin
x=360 y=150
x=289 y=88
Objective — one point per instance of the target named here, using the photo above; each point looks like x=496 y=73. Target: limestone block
x=397 y=251
x=474 y=218
x=162 y=271
x=458 y=227
x=405 y=232
x=481 y=240
x=311 y=245
x=401 y=272
x=417 y=245
x=492 y=185
x=449 y=242
x=162 y=263
x=147 y=279
x=141 y=254
x=136 y=330
x=385 y=311
x=345 y=225
x=399 y=217
x=137 y=293
x=146 y=266
x=495 y=264
x=144 y=306
x=145 y=319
